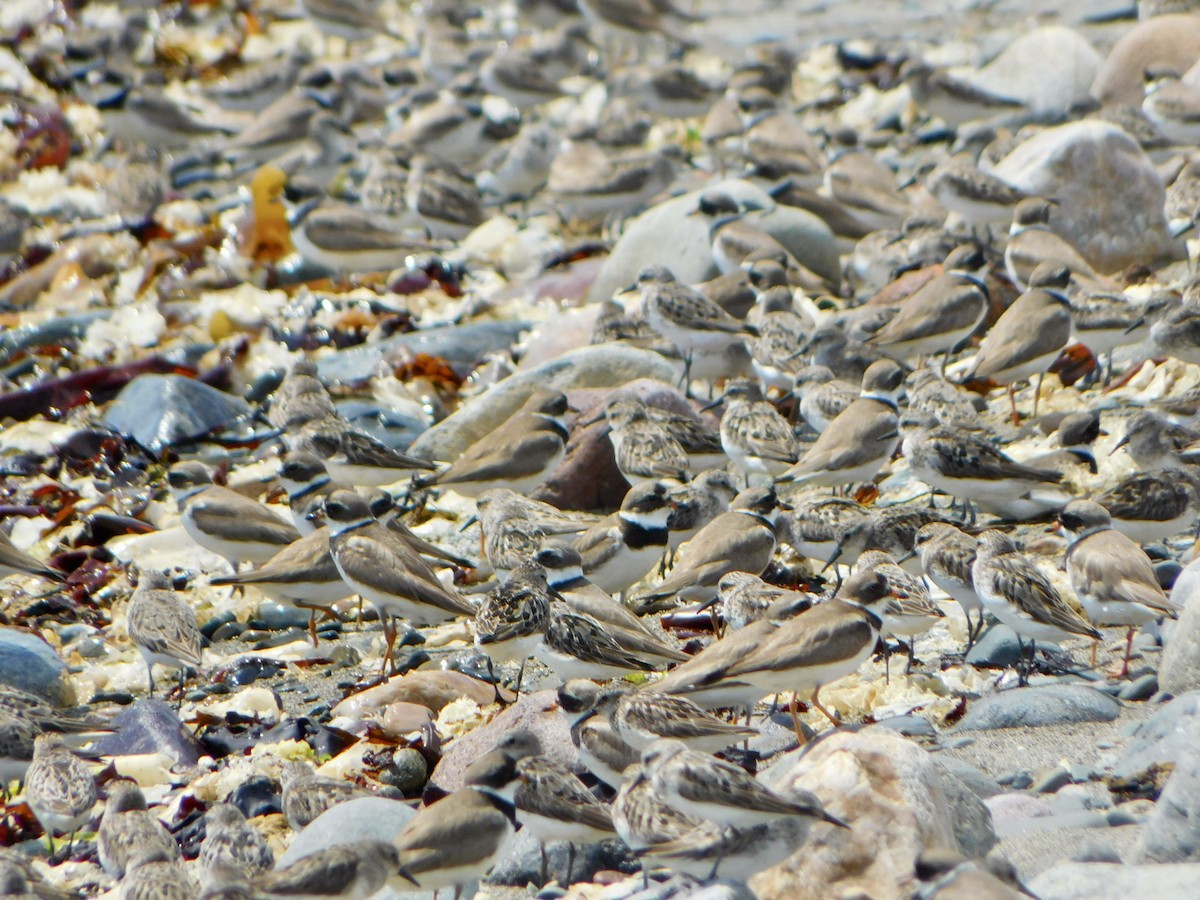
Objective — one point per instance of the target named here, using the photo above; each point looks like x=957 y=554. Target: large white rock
x=898 y=804
x=1179 y=671
x=1172 y=41
x=1049 y=69
x=1110 y=197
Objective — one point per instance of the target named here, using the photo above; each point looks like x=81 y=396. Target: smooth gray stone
x=29 y=664
x=347 y=823
x=1179 y=669
x=1171 y=833
x=997 y=649
x=1096 y=852
x=596 y=366
x=1161 y=739
x=1035 y=707
x=150 y=726
x=158 y=411
x=982 y=784
x=1089 y=881
x=408 y=772
x=277 y=617
x=522 y=864
x=1141 y=689
x=460 y=345
x=1051 y=782
x=972 y=820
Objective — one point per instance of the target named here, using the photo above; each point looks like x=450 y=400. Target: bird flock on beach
x=840 y=466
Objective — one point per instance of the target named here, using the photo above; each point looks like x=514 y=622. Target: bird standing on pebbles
x=1110 y=574
x=163 y=626
x=59 y=789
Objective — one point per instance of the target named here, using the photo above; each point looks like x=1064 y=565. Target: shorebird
x=59 y=789
x=640 y=718
x=947 y=555
x=1027 y=337
x=822 y=397
x=978 y=197
x=518 y=455
x=305 y=794
x=940 y=316
x=14 y=561
x=356 y=870
x=163 y=626
x=385 y=570
x=1173 y=105
x=826 y=643
x=685 y=317
x=620 y=551
x=1031 y=243
x=223 y=521
x=755 y=437
x=954 y=100
x=598 y=748
x=976 y=471
x=563 y=566
x=127 y=827
x=1153 y=506
x=644 y=449
x=233 y=850
x=1014 y=590
x=739 y=540
x=459 y=838
x=512 y=619
x=713 y=790
x=1110 y=574
x=302 y=574
x=863 y=437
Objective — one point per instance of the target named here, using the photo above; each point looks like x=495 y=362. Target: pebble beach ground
x=446 y=209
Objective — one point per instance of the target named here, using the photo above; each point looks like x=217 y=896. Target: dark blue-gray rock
x=1142 y=688
x=1052 y=781
x=1179 y=669
x=158 y=411
x=29 y=664
x=668 y=234
x=522 y=864
x=1109 y=197
x=277 y=617
x=460 y=345
x=537 y=713
x=1171 y=833
x=1160 y=740
x=349 y=822
x=1036 y=707
x=408 y=771
x=150 y=726
x=980 y=783
x=997 y=649
x=598 y=366
x=1089 y=881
